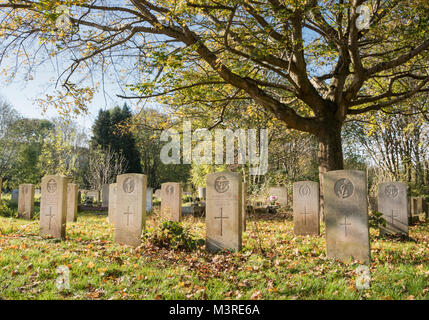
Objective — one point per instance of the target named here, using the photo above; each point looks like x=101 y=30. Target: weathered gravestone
x=94 y=195
x=72 y=201
x=26 y=201
x=149 y=194
x=130 y=213
x=171 y=201
x=113 y=194
x=224 y=211
x=393 y=204
x=15 y=196
x=413 y=214
x=244 y=207
x=53 y=206
x=346 y=215
x=306 y=208
x=105 y=195
x=421 y=206
x=280 y=193
x=157 y=193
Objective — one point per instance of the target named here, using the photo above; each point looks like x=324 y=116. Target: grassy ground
x=274 y=264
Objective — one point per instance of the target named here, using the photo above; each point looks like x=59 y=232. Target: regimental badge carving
x=25 y=189
x=169 y=190
x=129 y=185
x=343 y=188
x=304 y=191
x=221 y=184
x=52 y=186
x=391 y=191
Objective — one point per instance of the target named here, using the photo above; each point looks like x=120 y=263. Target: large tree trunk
x=330 y=154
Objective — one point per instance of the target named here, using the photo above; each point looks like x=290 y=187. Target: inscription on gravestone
x=346 y=210
x=53 y=206
x=130 y=212
x=171 y=201
x=224 y=211
x=393 y=204
x=306 y=208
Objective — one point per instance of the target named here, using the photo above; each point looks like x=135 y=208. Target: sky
x=22 y=95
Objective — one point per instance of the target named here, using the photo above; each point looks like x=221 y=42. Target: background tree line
x=390 y=146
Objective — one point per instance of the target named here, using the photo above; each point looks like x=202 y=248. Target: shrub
x=172 y=235
x=7 y=211
x=376 y=219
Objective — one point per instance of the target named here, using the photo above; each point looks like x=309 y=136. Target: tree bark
x=330 y=154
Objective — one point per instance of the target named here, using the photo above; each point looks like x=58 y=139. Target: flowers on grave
x=272 y=200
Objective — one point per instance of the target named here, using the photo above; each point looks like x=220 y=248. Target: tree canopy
x=309 y=63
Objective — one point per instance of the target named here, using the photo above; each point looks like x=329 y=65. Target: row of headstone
x=345 y=196
x=346 y=211
x=225 y=218
x=26 y=201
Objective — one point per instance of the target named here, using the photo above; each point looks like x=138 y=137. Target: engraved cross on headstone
x=221 y=221
x=393 y=216
x=50 y=215
x=305 y=213
x=128 y=215
x=345 y=224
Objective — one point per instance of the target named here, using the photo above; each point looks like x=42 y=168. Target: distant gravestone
x=346 y=215
x=171 y=201
x=15 y=195
x=53 y=206
x=37 y=192
x=130 y=213
x=149 y=194
x=393 y=204
x=157 y=193
x=280 y=193
x=413 y=210
x=244 y=207
x=72 y=201
x=420 y=205
x=105 y=195
x=224 y=211
x=94 y=195
x=202 y=193
x=113 y=194
x=306 y=208
x=26 y=201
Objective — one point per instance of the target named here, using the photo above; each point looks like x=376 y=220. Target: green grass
x=274 y=264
